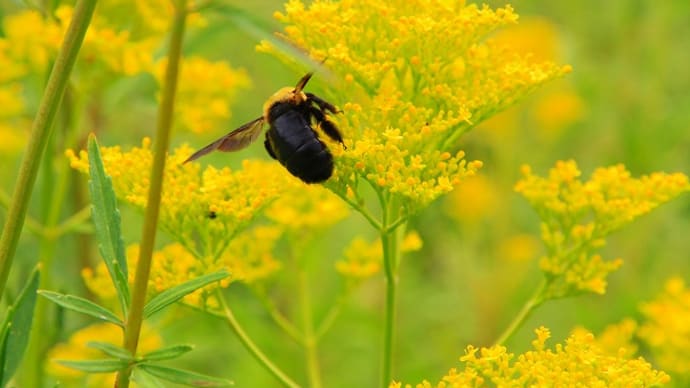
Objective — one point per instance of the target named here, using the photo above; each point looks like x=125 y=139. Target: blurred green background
x=626 y=101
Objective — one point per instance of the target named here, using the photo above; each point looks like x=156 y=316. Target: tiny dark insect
x=290 y=138
x=212 y=215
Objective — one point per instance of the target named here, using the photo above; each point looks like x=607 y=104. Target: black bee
x=290 y=137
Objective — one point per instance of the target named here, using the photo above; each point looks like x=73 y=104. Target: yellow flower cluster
x=76 y=348
x=576 y=217
x=36 y=39
x=248 y=258
x=307 y=207
x=666 y=328
x=414 y=76
x=364 y=259
x=618 y=339
x=580 y=362
x=554 y=107
x=204 y=94
x=203 y=211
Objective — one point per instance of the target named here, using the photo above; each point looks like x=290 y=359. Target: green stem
x=33 y=371
x=361 y=209
x=527 y=309
x=391 y=257
x=251 y=346
x=40 y=133
x=162 y=140
x=332 y=314
x=310 y=341
x=278 y=317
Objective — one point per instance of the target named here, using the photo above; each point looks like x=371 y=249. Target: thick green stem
x=390 y=238
x=162 y=140
x=310 y=341
x=527 y=309
x=251 y=346
x=40 y=133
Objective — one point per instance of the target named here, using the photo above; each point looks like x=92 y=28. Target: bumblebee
x=290 y=138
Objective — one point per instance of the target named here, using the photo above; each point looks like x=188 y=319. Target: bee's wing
x=233 y=141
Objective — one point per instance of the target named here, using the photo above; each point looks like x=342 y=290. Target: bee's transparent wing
x=233 y=141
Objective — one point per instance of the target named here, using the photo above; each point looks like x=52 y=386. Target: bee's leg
x=267 y=144
x=322 y=104
x=327 y=126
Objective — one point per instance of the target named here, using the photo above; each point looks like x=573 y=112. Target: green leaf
x=106 y=219
x=105 y=365
x=145 y=380
x=166 y=353
x=181 y=376
x=111 y=350
x=15 y=333
x=172 y=295
x=82 y=305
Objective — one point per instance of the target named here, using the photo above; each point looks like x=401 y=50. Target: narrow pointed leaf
x=145 y=380
x=106 y=219
x=111 y=350
x=105 y=365
x=185 y=377
x=166 y=353
x=16 y=333
x=82 y=305
x=172 y=295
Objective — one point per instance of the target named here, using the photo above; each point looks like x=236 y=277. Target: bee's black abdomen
x=311 y=163
x=295 y=144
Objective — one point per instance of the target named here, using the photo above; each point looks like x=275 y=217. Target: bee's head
x=288 y=94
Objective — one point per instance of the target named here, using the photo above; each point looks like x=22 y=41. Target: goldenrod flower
x=248 y=258
x=414 y=76
x=76 y=349
x=619 y=339
x=666 y=327
x=364 y=259
x=205 y=91
x=307 y=208
x=579 y=362
x=576 y=217
x=203 y=211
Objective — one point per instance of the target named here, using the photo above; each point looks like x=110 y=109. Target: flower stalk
x=532 y=303
x=251 y=346
x=162 y=141
x=390 y=238
x=310 y=339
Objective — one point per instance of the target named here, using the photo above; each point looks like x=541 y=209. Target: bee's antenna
x=303 y=82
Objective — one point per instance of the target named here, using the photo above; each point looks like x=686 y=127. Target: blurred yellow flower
x=203 y=211
x=35 y=40
x=579 y=362
x=617 y=339
x=307 y=207
x=557 y=109
x=248 y=258
x=364 y=259
x=205 y=91
x=518 y=248
x=552 y=108
x=31 y=39
x=475 y=200
x=415 y=76
x=666 y=327
x=576 y=217
x=76 y=348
